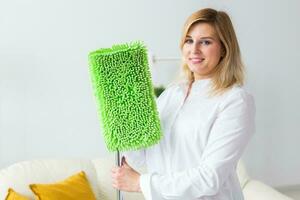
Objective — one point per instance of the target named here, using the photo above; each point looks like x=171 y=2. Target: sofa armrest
x=255 y=190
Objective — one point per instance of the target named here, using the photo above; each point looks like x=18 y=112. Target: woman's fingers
x=116 y=170
x=117 y=173
x=115 y=186
x=116 y=183
x=125 y=178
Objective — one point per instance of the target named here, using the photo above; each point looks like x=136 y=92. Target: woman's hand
x=125 y=178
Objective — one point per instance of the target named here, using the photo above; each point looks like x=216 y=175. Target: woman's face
x=202 y=50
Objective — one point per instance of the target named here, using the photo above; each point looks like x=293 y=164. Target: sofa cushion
x=242 y=174
x=20 y=175
x=72 y=188
x=256 y=190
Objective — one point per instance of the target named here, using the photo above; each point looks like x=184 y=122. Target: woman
x=207 y=121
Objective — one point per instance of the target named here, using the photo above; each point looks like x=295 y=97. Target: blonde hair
x=230 y=69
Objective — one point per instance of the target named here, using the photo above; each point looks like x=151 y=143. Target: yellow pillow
x=73 y=188
x=13 y=195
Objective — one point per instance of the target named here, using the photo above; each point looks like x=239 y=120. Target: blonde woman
x=207 y=121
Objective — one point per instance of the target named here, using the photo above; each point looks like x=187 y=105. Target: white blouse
x=203 y=139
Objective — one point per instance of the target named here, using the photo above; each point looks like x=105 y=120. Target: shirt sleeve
x=228 y=138
x=136 y=159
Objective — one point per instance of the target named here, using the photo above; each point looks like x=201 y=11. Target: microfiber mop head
x=125 y=97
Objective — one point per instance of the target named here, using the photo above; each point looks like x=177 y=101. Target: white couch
x=20 y=175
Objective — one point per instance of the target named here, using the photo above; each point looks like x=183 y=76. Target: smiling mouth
x=196 y=60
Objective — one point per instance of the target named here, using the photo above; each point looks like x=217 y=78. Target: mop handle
x=118 y=163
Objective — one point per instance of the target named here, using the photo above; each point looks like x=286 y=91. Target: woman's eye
x=205 y=42
x=189 y=41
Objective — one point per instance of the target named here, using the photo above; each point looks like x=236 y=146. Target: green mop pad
x=125 y=98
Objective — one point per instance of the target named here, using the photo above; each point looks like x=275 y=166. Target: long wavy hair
x=230 y=69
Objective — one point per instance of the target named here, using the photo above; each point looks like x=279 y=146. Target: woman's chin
x=199 y=70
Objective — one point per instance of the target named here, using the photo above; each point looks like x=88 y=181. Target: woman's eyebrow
x=207 y=37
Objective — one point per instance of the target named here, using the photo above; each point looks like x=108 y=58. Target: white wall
x=46 y=105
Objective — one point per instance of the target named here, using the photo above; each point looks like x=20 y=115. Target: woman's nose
x=195 y=48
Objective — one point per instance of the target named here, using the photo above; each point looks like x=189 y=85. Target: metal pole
x=118 y=163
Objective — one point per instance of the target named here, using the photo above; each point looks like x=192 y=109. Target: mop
x=125 y=99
